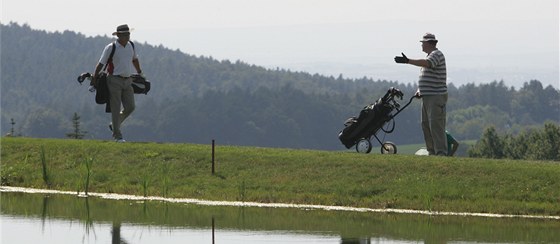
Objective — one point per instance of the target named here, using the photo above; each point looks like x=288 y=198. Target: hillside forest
x=195 y=99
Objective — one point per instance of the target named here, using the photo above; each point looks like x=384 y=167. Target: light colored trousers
x=120 y=92
x=433 y=123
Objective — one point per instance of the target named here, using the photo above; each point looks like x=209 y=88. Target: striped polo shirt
x=433 y=80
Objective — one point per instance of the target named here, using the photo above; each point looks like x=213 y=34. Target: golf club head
x=83 y=77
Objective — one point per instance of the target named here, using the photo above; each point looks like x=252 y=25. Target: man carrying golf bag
x=118 y=68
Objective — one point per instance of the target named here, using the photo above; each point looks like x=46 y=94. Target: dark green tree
x=12 y=131
x=533 y=144
x=516 y=146
x=489 y=146
x=544 y=144
x=77 y=133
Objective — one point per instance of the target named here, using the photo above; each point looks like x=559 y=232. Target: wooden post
x=213 y=237
x=213 y=151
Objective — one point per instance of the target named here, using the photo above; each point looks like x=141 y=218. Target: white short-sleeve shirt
x=122 y=59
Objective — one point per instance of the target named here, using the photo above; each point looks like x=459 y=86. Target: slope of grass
x=286 y=175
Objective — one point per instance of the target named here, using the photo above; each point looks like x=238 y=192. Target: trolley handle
x=406 y=105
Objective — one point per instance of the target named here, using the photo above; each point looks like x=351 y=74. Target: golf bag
x=140 y=84
x=371 y=118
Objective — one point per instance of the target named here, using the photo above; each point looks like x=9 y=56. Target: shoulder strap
x=110 y=59
x=132 y=43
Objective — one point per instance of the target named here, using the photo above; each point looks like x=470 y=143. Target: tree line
x=534 y=144
x=197 y=99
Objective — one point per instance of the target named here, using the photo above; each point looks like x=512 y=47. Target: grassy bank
x=284 y=175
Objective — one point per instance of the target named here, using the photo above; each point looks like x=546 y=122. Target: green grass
x=287 y=175
x=411 y=149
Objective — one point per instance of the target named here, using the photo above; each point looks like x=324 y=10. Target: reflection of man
x=432 y=87
x=344 y=240
x=116 y=234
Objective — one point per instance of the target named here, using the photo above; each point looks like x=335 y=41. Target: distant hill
x=197 y=99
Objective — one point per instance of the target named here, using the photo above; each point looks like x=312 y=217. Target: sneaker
x=120 y=140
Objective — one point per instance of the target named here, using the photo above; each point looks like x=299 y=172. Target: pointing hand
x=401 y=60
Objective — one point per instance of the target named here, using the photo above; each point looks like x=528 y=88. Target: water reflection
x=116 y=234
x=51 y=219
x=355 y=241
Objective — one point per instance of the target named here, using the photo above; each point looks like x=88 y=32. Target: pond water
x=43 y=218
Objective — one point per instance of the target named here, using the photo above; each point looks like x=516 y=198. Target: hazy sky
x=483 y=40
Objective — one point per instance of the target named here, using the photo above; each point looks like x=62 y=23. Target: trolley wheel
x=363 y=146
x=388 y=148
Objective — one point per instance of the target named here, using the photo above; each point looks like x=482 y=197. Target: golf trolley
x=358 y=131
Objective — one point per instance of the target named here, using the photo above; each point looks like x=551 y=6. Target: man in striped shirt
x=432 y=87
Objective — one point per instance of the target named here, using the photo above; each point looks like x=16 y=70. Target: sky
x=483 y=40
